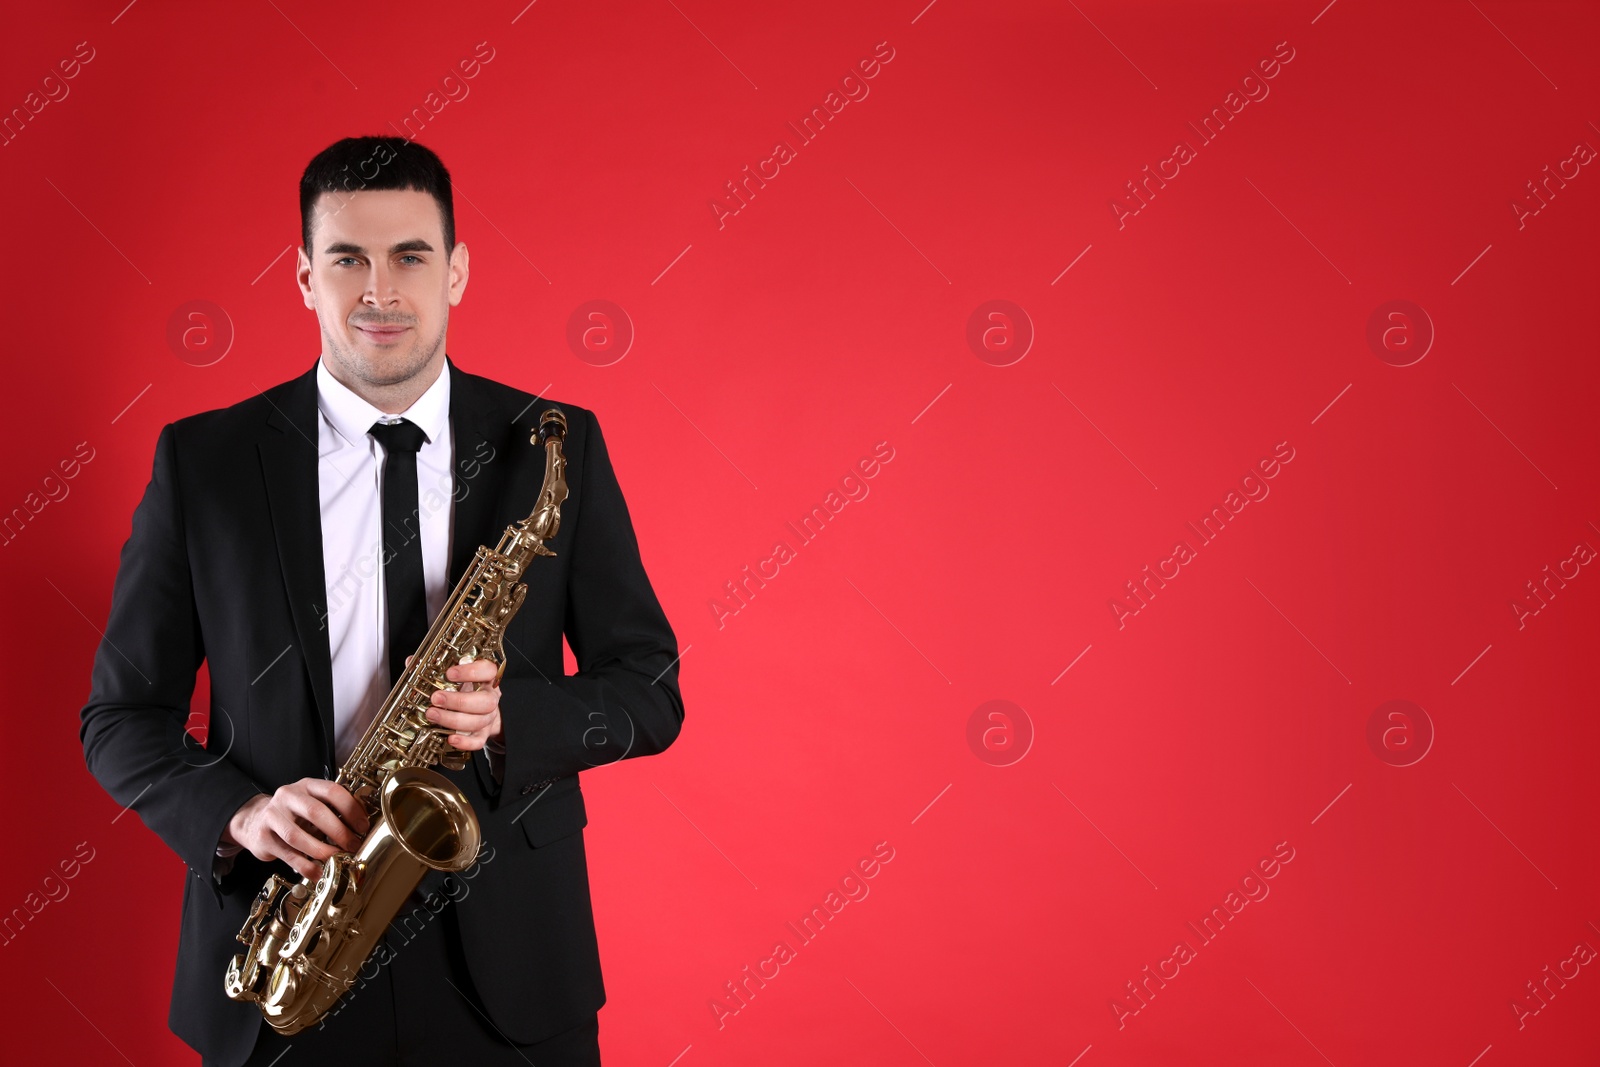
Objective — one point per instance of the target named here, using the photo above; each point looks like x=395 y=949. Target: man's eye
x=417 y=258
x=344 y=259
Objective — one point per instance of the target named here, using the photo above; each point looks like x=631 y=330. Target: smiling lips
x=383 y=335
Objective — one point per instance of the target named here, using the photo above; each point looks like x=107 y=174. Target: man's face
x=381 y=282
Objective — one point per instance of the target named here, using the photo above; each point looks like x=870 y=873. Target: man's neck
x=395 y=397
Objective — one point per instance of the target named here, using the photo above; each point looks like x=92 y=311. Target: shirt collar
x=352 y=416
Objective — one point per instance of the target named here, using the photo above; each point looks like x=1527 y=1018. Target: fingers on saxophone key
x=474 y=701
x=465 y=720
x=330 y=808
x=316 y=815
x=347 y=807
x=467 y=732
x=286 y=852
x=474 y=672
x=301 y=834
x=315 y=818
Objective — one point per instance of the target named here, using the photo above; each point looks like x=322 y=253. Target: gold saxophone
x=307 y=941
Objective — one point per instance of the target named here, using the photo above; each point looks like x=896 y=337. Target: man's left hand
x=473 y=711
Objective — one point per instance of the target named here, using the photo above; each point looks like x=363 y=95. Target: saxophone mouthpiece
x=553 y=423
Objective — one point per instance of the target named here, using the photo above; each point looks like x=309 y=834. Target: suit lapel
x=479 y=428
x=289 y=465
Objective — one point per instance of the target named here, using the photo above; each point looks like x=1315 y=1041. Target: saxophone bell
x=318 y=935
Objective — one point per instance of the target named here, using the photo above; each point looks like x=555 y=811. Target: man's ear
x=302 y=276
x=459 y=271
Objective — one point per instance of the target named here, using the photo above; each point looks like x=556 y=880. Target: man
x=300 y=542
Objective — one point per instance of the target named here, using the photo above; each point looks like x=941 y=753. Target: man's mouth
x=383 y=335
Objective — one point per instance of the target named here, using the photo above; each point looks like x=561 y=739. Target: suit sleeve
x=133 y=726
x=624 y=701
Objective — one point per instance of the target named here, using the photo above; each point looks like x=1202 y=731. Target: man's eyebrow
x=345 y=248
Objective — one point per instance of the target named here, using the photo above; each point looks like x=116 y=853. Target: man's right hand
x=303 y=824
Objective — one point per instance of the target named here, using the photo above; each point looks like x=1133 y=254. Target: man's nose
x=380 y=286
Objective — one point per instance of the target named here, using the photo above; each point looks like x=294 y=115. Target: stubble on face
x=375 y=365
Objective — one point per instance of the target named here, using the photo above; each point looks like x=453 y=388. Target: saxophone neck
x=541 y=525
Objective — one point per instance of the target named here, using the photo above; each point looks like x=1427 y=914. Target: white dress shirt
x=350 y=464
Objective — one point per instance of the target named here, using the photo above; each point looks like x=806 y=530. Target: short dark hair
x=357 y=163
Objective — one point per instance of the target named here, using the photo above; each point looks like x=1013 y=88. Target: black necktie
x=402 y=542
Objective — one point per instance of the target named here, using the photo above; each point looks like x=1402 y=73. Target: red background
x=1228 y=315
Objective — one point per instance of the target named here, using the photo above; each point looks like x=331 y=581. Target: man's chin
x=383 y=365
x=388 y=368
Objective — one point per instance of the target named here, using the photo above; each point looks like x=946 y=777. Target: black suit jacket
x=224 y=564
